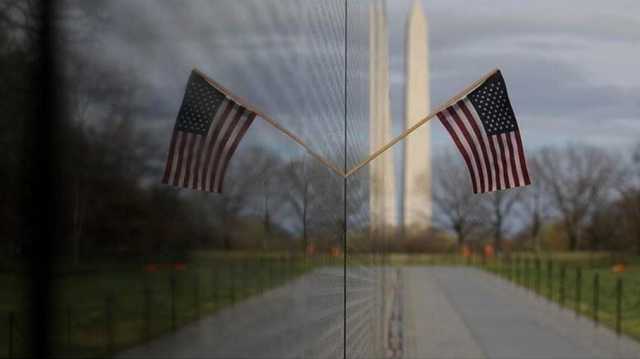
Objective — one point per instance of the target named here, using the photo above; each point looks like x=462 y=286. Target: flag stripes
x=207 y=133
x=495 y=162
x=212 y=123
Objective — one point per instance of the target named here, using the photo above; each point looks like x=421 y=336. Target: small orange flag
x=618 y=268
x=466 y=251
x=489 y=251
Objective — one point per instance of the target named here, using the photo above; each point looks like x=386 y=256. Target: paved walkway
x=437 y=312
x=302 y=319
x=467 y=313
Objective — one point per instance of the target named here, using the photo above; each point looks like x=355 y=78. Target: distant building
x=382 y=196
x=417 y=201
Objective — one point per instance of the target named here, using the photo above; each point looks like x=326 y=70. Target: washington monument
x=382 y=197
x=417 y=208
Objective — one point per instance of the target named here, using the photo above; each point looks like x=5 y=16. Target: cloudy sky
x=570 y=66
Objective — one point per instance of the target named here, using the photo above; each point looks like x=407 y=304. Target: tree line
x=582 y=198
x=107 y=170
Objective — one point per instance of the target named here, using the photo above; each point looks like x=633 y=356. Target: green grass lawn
x=106 y=307
x=106 y=311
x=14 y=295
x=576 y=291
x=571 y=282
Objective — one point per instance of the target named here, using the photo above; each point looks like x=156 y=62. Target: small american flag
x=207 y=132
x=484 y=128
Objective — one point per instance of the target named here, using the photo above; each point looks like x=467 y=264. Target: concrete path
x=436 y=312
x=302 y=319
x=468 y=313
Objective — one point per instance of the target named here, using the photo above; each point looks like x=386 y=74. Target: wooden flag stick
x=295 y=138
x=273 y=123
x=406 y=133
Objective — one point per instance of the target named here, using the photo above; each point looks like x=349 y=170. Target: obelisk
x=417 y=209
x=382 y=196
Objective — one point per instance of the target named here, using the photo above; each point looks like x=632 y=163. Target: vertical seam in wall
x=344 y=200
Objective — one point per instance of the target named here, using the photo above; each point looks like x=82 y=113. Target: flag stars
x=492 y=105
x=199 y=106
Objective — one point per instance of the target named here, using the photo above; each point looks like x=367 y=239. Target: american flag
x=207 y=132
x=484 y=128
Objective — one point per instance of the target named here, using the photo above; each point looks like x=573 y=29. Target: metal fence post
x=550 y=279
x=271 y=271
x=619 y=306
x=196 y=294
x=109 y=323
x=244 y=278
x=68 y=326
x=578 y=290
x=214 y=286
x=563 y=275
x=147 y=311
x=538 y=278
x=512 y=269
x=172 y=284
x=523 y=272
x=11 y=334
x=260 y=274
x=596 y=296
x=527 y=278
x=232 y=277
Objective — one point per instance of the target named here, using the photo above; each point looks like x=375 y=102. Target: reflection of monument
x=382 y=198
x=417 y=160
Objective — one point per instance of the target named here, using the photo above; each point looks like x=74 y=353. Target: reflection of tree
x=268 y=168
x=245 y=179
x=630 y=202
x=458 y=209
x=313 y=196
x=19 y=56
x=534 y=205
x=499 y=206
x=298 y=195
x=20 y=18
x=578 y=180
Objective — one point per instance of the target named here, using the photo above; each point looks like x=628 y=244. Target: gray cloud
x=570 y=67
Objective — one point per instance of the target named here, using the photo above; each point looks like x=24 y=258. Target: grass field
x=575 y=289
x=14 y=295
x=584 y=283
x=106 y=307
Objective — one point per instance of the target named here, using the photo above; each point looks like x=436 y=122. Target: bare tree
x=533 y=204
x=579 y=180
x=19 y=54
x=299 y=196
x=21 y=18
x=269 y=168
x=458 y=208
x=630 y=198
x=242 y=181
x=500 y=208
x=312 y=195
x=101 y=106
x=604 y=229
